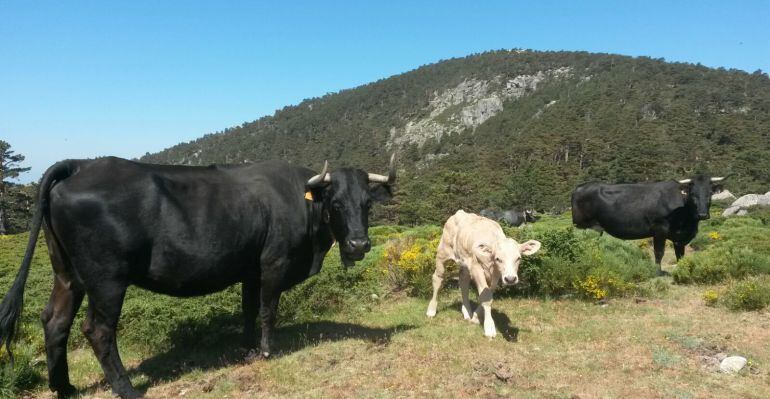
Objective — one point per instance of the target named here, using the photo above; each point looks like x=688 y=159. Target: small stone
x=374 y=296
x=742 y=212
x=732 y=364
x=731 y=211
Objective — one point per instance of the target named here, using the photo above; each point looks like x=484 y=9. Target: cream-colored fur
x=484 y=255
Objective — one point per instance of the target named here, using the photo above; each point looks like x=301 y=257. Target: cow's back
x=464 y=230
x=628 y=211
x=172 y=229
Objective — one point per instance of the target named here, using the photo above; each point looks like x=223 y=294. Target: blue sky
x=89 y=78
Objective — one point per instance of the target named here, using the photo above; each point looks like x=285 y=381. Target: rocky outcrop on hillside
x=468 y=105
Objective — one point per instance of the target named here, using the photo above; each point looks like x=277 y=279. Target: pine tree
x=9 y=169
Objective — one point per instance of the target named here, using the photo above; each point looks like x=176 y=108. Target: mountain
x=518 y=128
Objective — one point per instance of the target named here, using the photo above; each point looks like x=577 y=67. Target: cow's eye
x=337 y=206
x=498 y=260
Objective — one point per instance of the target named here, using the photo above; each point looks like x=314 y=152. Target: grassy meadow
x=589 y=320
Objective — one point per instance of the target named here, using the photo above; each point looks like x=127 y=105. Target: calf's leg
x=465 y=280
x=485 y=303
x=438 y=279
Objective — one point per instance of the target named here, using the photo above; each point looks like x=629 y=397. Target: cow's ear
x=381 y=192
x=529 y=247
x=685 y=188
x=717 y=188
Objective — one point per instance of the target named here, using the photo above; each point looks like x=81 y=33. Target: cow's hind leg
x=104 y=304
x=57 y=320
x=438 y=280
x=659 y=246
x=270 y=295
x=250 y=304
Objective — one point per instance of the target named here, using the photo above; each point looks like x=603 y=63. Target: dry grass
x=640 y=348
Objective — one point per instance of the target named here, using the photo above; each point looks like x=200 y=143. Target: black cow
x=512 y=217
x=183 y=231
x=661 y=210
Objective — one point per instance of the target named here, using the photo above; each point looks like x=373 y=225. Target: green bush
x=719 y=263
x=750 y=294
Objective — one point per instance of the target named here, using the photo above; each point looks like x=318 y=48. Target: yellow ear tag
x=308 y=195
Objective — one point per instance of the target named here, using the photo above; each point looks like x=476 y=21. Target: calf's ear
x=483 y=252
x=529 y=247
x=381 y=192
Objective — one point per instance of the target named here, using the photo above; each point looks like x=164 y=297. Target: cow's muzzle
x=703 y=216
x=354 y=249
x=510 y=280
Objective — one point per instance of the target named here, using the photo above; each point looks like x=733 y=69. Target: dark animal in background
x=183 y=231
x=661 y=210
x=512 y=217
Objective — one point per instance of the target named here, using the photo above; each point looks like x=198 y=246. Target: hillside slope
x=517 y=127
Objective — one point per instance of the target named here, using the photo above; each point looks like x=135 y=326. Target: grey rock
x=723 y=196
x=732 y=364
x=742 y=212
x=747 y=201
x=731 y=211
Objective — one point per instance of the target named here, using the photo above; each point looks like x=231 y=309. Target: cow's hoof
x=265 y=355
x=490 y=334
x=66 y=391
x=431 y=313
x=474 y=320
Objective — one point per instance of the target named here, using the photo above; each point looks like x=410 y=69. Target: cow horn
x=685 y=181
x=320 y=178
x=717 y=179
x=390 y=178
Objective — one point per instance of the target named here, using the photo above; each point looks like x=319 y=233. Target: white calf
x=485 y=255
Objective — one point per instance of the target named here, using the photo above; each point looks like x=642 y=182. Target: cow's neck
x=320 y=234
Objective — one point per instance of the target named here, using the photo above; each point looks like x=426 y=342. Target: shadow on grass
x=217 y=342
x=502 y=321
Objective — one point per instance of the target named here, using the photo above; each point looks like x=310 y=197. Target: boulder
x=742 y=212
x=724 y=195
x=731 y=211
x=747 y=201
x=732 y=364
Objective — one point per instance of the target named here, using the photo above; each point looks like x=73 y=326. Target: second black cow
x=513 y=217
x=661 y=210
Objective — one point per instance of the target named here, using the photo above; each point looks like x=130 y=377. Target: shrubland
x=573 y=265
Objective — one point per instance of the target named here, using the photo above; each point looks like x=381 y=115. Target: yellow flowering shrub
x=600 y=287
x=711 y=297
x=408 y=263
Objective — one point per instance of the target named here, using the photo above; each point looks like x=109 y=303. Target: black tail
x=10 y=308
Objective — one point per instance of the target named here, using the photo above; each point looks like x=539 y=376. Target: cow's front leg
x=465 y=282
x=679 y=250
x=250 y=304
x=267 y=312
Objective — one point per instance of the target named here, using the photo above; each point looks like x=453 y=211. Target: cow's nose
x=360 y=244
x=511 y=279
x=703 y=216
